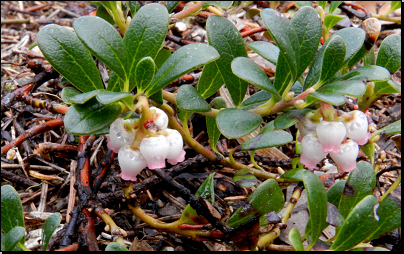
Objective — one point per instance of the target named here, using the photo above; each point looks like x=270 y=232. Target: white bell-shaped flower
x=306 y=126
x=175 y=153
x=161 y=118
x=346 y=157
x=312 y=151
x=119 y=135
x=330 y=134
x=357 y=128
x=155 y=150
x=131 y=162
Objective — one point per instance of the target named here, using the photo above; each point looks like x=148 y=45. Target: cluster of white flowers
x=152 y=151
x=340 y=139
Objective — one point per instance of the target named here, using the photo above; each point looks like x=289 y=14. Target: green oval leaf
x=352 y=88
x=249 y=71
x=144 y=73
x=90 y=117
x=189 y=99
x=360 y=183
x=389 y=217
x=295 y=239
x=265 y=49
x=213 y=132
x=244 y=178
x=103 y=41
x=389 y=129
x=266 y=140
x=266 y=198
x=107 y=97
x=11 y=209
x=389 y=54
x=236 y=123
x=115 y=247
x=317 y=203
x=226 y=39
x=359 y=223
x=333 y=99
x=333 y=60
x=68 y=56
x=386 y=87
x=369 y=73
x=284 y=34
x=67 y=93
x=307 y=25
x=51 y=223
x=145 y=36
x=334 y=5
x=330 y=20
x=71 y=97
x=183 y=60
x=13 y=237
x=255 y=100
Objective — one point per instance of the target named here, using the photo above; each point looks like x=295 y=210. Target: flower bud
x=330 y=134
x=119 y=135
x=161 y=118
x=346 y=157
x=175 y=153
x=131 y=162
x=155 y=150
x=312 y=151
x=357 y=127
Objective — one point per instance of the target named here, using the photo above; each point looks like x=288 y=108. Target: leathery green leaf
x=114 y=246
x=13 y=237
x=51 y=223
x=267 y=50
x=388 y=215
x=389 y=54
x=267 y=139
x=289 y=118
x=333 y=99
x=317 y=203
x=189 y=99
x=80 y=98
x=90 y=117
x=266 y=198
x=145 y=36
x=333 y=60
x=360 y=183
x=226 y=39
x=183 y=60
x=213 y=132
x=104 y=42
x=11 y=210
x=369 y=73
x=236 y=123
x=295 y=239
x=354 y=88
x=244 y=178
x=144 y=73
x=307 y=25
x=389 y=129
x=358 y=225
x=68 y=56
x=211 y=80
x=249 y=71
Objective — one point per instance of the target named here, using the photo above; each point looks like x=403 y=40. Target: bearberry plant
x=316 y=73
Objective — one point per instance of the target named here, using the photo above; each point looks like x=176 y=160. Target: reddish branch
x=15 y=95
x=252 y=31
x=39 y=129
x=45 y=104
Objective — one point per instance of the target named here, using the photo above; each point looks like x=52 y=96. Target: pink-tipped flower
x=346 y=157
x=175 y=153
x=161 y=118
x=306 y=126
x=155 y=150
x=119 y=135
x=131 y=162
x=357 y=127
x=330 y=134
x=312 y=151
